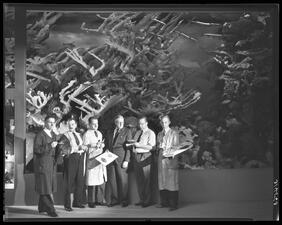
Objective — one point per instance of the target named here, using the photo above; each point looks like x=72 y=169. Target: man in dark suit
x=45 y=143
x=117 y=170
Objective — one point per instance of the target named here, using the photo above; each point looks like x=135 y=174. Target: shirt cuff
x=141 y=150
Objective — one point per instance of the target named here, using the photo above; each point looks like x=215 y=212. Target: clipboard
x=177 y=151
x=106 y=158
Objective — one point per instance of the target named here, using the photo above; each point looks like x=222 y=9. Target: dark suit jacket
x=44 y=163
x=119 y=147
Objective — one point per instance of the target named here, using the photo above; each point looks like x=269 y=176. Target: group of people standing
x=106 y=185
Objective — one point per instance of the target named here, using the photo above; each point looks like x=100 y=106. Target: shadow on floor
x=21 y=211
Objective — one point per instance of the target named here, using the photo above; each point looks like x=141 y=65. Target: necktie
x=76 y=138
x=95 y=132
x=140 y=136
x=115 y=137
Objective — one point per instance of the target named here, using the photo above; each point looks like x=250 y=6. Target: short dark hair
x=118 y=116
x=93 y=118
x=143 y=117
x=50 y=116
x=72 y=117
x=165 y=115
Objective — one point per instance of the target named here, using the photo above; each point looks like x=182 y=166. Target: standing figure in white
x=96 y=174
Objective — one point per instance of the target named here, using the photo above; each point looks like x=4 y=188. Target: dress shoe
x=41 y=211
x=78 y=206
x=145 y=205
x=52 y=214
x=112 y=204
x=139 y=203
x=91 y=205
x=102 y=203
x=124 y=204
x=172 y=208
x=160 y=206
x=69 y=209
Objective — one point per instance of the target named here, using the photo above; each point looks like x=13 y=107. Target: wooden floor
x=221 y=210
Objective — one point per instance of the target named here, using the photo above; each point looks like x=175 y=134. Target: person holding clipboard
x=167 y=140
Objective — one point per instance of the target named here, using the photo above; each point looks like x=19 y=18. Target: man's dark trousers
x=142 y=167
x=119 y=175
x=73 y=178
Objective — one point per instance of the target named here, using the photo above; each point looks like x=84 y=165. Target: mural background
x=211 y=71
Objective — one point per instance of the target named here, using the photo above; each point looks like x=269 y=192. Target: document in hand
x=175 y=152
x=106 y=158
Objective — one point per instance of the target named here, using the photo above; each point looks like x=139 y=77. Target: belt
x=77 y=153
x=84 y=161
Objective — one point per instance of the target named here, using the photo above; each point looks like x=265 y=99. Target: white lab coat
x=98 y=174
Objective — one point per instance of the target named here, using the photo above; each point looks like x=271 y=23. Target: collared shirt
x=148 y=137
x=48 y=132
x=71 y=138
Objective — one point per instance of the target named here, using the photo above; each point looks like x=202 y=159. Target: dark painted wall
x=195 y=186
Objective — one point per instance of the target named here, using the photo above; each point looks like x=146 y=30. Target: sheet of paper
x=106 y=158
x=176 y=152
x=141 y=150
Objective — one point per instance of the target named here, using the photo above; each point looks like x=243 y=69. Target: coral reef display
x=223 y=105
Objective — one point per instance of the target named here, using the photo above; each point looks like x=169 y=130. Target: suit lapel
x=46 y=136
x=111 y=133
x=121 y=133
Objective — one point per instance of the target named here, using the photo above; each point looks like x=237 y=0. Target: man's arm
x=149 y=146
x=64 y=147
x=107 y=141
x=127 y=152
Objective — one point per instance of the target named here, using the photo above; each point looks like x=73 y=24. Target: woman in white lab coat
x=97 y=175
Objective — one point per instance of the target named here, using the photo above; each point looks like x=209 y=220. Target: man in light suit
x=117 y=170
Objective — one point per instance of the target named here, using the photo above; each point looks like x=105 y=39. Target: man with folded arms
x=145 y=141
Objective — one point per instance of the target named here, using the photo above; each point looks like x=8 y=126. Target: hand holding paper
x=124 y=165
x=175 y=151
x=106 y=158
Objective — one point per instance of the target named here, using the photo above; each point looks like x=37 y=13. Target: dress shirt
x=148 y=137
x=74 y=145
